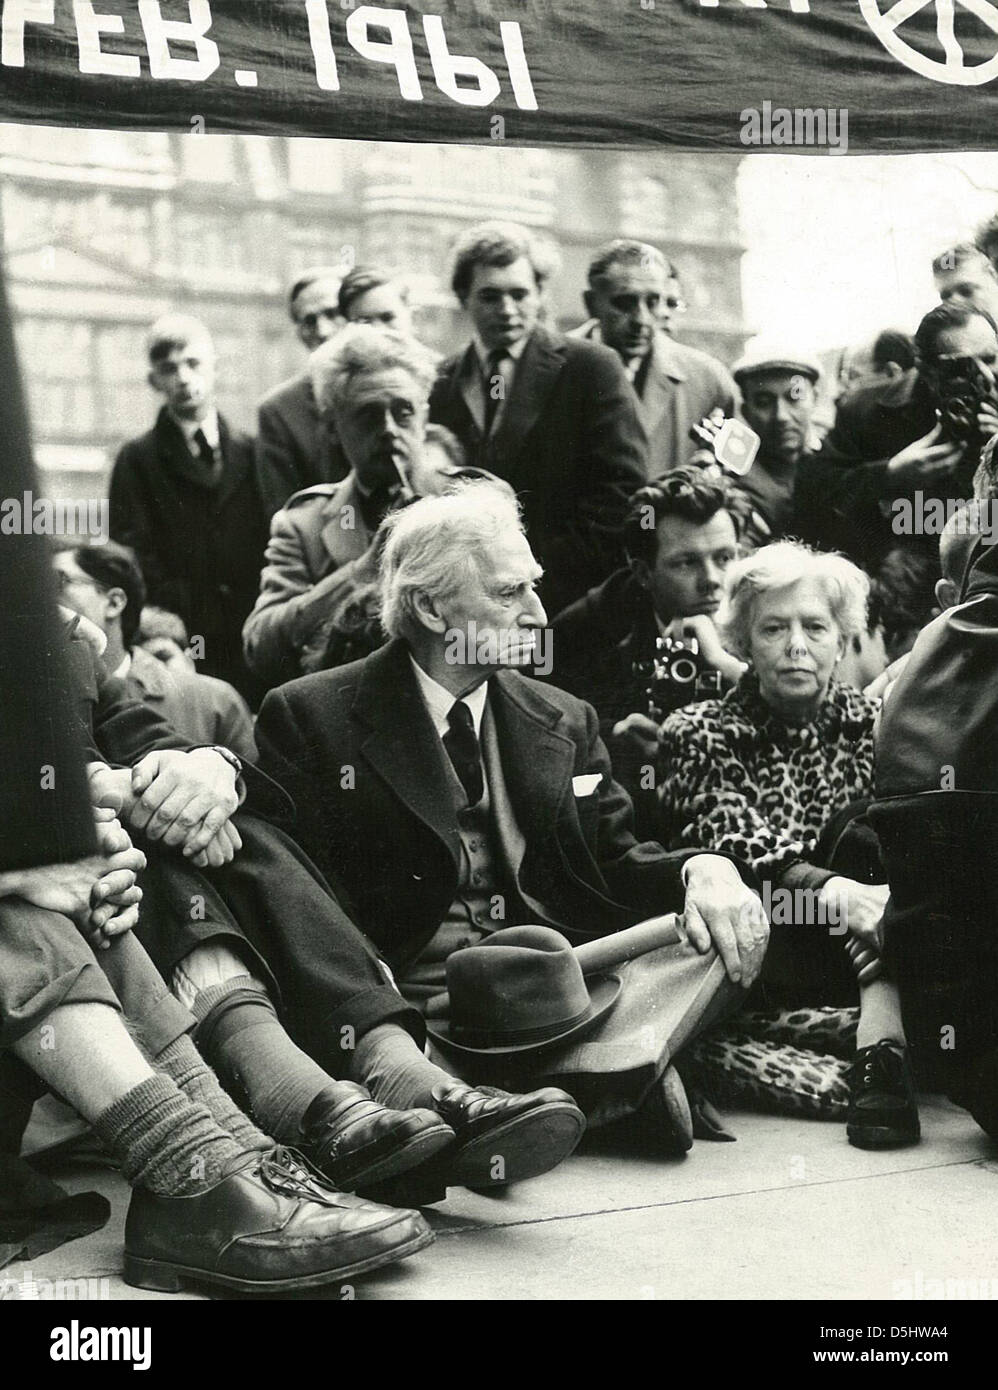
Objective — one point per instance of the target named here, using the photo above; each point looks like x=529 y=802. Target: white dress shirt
x=439 y=701
x=208 y=427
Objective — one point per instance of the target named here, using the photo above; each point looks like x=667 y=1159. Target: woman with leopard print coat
x=762 y=772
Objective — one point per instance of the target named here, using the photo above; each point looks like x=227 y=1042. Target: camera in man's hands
x=962 y=386
x=677 y=675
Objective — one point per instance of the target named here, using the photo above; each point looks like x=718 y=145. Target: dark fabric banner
x=786 y=75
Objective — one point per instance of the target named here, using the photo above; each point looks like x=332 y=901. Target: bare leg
x=879 y=1013
x=86 y=1054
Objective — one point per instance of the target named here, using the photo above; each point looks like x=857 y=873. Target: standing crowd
x=474 y=749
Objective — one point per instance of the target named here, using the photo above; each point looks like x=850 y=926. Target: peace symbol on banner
x=888 y=18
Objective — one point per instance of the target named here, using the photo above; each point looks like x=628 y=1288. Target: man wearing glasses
x=634 y=300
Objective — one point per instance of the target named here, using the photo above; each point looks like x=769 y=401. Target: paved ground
x=790 y=1211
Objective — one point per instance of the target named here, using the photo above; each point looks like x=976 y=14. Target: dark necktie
x=490 y=383
x=208 y=456
x=375 y=504
x=461 y=743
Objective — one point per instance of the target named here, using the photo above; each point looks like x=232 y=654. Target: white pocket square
x=587 y=783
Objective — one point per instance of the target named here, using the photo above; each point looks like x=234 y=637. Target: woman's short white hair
x=779 y=566
x=358 y=350
x=435 y=547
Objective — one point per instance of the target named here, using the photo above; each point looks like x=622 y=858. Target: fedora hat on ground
x=520 y=990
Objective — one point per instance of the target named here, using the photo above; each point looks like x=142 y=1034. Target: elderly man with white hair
x=448 y=795
x=372 y=384
x=774 y=772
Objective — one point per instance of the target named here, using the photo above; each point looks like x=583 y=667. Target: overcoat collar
x=178 y=458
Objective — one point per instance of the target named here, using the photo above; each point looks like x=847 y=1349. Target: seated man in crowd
x=374 y=386
x=891 y=454
x=252 y=939
x=681 y=536
x=448 y=795
x=553 y=416
x=779 y=397
x=633 y=295
x=104 y=583
x=294 y=446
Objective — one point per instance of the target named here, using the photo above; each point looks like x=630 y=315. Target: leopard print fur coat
x=737 y=778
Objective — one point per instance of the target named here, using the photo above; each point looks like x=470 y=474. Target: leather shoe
x=883 y=1111
x=268 y=1226
x=503 y=1138
x=665 y=1115
x=355 y=1142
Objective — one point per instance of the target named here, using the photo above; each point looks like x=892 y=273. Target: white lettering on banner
x=397 y=53
x=516 y=61
x=93 y=59
x=377 y=33
x=447 y=68
x=322 y=46
x=16 y=14
x=160 y=31
x=796 y=6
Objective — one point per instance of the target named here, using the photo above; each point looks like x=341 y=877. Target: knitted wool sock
x=241 y=1037
x=388 y=1061
x=184 y=1064
x=164 y=1141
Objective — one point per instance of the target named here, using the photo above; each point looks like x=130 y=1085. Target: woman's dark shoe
x=356 y=1142
x=883 y=1111
x=268 y=1226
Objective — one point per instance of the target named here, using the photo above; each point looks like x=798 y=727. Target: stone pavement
x=790 y=1211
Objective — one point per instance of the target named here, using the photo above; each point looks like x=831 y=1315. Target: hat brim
x=603 y=992
x=778 y=364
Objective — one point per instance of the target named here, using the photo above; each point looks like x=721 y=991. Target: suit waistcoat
x=486 y=897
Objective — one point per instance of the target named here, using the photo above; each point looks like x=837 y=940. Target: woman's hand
x=858 y=907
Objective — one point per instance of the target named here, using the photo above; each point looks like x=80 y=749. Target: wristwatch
x=229 y=756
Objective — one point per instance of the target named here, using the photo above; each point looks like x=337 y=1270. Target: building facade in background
x=104 y=230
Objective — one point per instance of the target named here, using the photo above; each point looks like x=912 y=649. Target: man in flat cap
x=779 y=395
